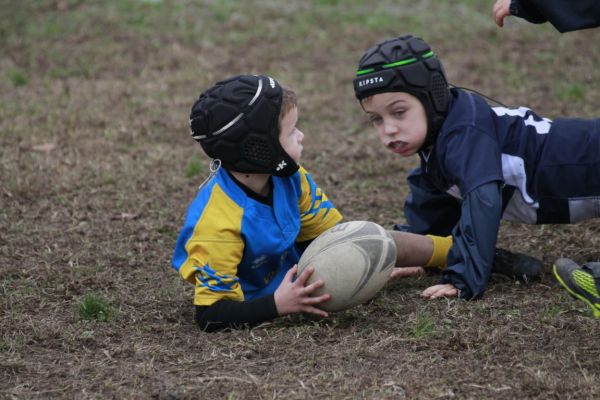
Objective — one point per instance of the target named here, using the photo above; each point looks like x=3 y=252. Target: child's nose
x=389 y=128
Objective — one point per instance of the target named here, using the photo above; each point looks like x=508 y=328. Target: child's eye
x=399 y=113
x=375 y=120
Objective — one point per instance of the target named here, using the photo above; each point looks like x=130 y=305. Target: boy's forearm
x=412 y=249
x=229 y=314
x=474 y=241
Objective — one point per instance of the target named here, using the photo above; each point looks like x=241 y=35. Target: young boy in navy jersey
x=565 y=16
x=249 y=223
x=479 y=164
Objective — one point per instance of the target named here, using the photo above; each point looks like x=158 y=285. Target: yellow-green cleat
x=581 y=282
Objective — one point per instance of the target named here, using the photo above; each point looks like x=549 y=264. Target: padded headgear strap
x=237 y=122
x=406 y=64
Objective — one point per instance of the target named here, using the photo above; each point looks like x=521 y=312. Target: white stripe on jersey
x=541 y=127
x=513 y=171
x=521 y=207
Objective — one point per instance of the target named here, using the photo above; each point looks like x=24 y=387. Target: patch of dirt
x=93 y=189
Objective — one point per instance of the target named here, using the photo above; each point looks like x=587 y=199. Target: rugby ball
x=353 y=259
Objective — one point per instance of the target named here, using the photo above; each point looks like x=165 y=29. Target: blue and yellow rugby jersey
x=236 y=248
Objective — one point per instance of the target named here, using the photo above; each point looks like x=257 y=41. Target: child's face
x=290 y=136
x=399 y=119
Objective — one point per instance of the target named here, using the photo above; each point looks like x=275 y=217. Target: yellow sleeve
x=317 y=213
x=215 y=250
x=441 y=246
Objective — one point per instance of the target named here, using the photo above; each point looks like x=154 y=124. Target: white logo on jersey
x=272 y=82
x=454 y=191
x=281 y=166
x=370 y=81
x=541 y=127
x=259 y=261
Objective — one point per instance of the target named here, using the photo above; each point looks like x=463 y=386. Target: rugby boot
x=518 y=266
x=582 y=282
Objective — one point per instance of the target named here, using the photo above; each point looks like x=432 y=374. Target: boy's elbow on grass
x=205 y=323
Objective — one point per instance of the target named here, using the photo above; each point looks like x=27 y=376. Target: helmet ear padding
x=237 y=122
x=439 y=91
x=255 y=148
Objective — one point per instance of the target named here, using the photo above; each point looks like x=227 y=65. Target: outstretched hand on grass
x=293 y=296
x=442 y=290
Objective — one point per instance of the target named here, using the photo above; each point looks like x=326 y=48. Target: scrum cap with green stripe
x=406 y=64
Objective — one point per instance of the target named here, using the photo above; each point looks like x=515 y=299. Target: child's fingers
x=499 y=20
x=431 y=291
x=500 y=10
x=312 y=300
x=401 y=272
x=496 y=15
x=308 y=289
x=446 y=290
x=289 y=275
x=426 y=294
x=303 y=278
x=315 y=311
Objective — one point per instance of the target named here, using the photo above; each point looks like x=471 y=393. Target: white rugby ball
x=353 y=259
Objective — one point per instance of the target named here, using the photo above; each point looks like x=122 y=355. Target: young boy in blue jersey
x=479 y=164
x=564 y=15
x=245 y=231
x=242 y=234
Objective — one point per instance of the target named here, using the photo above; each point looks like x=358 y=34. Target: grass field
x=97 y=168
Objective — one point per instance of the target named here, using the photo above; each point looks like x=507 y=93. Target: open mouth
x=398 y=147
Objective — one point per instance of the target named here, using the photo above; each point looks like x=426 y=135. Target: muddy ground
x=97 y=167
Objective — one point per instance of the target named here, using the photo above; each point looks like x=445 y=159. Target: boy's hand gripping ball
x=353 y=259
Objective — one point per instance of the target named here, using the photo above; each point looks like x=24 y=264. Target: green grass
x=94 y=308
x=19 y=78
x=551 y=311
x=570 y=91
x=108 y=87
x=4 y=346
x=194 y=168
x=424 y=326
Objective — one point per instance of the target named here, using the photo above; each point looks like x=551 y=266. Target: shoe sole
x=591 y=305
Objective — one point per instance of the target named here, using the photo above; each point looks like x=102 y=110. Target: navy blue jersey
x=490 y=163
x=550 y=171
